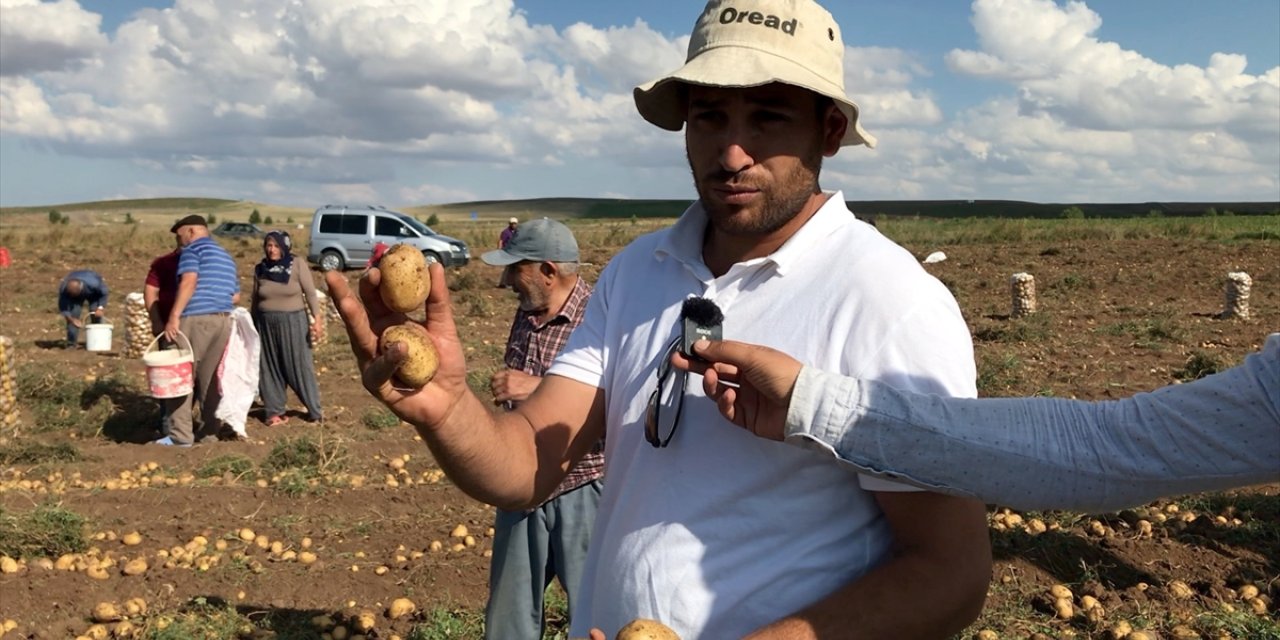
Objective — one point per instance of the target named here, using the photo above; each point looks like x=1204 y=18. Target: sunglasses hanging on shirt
x=700 y=319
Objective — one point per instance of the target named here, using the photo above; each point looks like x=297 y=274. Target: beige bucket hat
x=748 y=43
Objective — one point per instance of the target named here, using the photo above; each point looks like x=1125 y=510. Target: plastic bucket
x=97 y=337
x=169 y=373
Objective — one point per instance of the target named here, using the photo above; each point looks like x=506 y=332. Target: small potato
x=642 y=629
x=405 y=279
x=422 y=361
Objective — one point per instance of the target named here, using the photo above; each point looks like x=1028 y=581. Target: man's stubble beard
x=533 y=300
x=783 y=200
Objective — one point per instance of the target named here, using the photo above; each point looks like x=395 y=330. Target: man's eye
x=707 y=116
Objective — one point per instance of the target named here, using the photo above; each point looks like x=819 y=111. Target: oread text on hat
x=730 y=15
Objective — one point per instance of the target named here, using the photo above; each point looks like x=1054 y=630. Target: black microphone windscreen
x=702 y=311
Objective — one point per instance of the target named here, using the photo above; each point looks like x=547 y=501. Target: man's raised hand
x=367 y=317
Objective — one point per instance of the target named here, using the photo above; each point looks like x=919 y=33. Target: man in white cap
x=504 y=238
x=532 y=547
x=713 y=531
x=508 y=234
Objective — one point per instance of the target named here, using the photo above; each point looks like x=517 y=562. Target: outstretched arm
x=1219 y=432
x=511 y=460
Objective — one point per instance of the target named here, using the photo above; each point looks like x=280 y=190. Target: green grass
x=444 y=623
x=199 y=620
x=234 y=464
x=303 y=453
x=1147 y=332
x=379 y=418
x=112 y=404
x=1198 y=365
x=47 y=530
x=303 y=464
x=1032 y=328
x=1240 y=624
x=39 y=453
x=959 y=231
x=998 y=373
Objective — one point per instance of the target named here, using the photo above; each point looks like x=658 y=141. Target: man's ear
x=548 y=269
x=834 y=126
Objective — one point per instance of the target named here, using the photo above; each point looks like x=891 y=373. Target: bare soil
x=1116 y=317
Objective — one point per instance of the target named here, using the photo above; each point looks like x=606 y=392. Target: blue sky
x=432 y=101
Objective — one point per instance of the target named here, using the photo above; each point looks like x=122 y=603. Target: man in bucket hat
x=708 y=529
x=533 y=546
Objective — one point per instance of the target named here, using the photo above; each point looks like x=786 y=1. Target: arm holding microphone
x=1216 y=433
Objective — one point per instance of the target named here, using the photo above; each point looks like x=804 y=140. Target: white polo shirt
x=723 y=532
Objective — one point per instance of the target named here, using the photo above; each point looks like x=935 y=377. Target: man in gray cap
x=531 y=547
x=713 y=531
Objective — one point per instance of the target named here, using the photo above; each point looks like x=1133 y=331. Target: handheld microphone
x=701 y=320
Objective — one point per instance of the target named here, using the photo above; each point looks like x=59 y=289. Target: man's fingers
x=725 y=402
x=439 y=311
x=370 y=280
x=364 y=341
x=691 y=365
x=378 y=375
x=735 y=353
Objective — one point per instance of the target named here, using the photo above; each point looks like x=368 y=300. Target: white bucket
x=97 y=337
x=169 y=373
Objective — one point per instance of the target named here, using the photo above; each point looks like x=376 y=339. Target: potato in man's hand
x=421 y=358
x=643 y=629
x=405 y=279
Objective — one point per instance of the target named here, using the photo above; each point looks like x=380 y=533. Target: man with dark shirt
x=158 y=294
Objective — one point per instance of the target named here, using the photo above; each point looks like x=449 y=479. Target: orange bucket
x=169 y=373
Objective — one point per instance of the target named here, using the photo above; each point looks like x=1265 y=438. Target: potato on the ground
x=405 y=279
x=643 y=629
x=421 y=361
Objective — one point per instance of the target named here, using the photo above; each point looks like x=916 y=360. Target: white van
x=344 y=237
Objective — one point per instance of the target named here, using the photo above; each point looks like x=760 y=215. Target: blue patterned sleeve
x=1219 y=432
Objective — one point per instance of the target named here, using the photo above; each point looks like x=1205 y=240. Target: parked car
x=238 y=230
x=344 y=236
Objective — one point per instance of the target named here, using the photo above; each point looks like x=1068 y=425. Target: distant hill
x=615 y=208
x=1019 y=209
x=620 y=208
x=556 y=208
x=141 y=204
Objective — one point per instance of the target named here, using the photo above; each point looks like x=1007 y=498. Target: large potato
x=405 y=278
x=642 y=629
x=422 y=361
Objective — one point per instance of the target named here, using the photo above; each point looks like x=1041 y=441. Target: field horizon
x=151 y=210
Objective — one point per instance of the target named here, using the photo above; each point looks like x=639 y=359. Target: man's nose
x=734 y=154
x=505 y=280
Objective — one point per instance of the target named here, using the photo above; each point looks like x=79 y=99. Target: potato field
x=349 y=530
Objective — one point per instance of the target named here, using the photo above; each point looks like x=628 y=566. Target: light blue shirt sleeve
x=1219 y=432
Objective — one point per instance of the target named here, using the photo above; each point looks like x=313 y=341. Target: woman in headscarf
x=282 y=291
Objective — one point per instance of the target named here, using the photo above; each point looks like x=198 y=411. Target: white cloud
x=1096 y=121
x=360 y=101
x=434 y=194
x=350 y=192
x=1061 y=68
x=881 y=81
x=46 y=36
x=620 y=58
